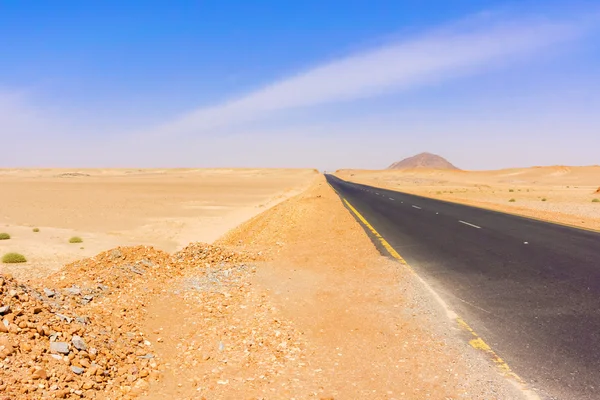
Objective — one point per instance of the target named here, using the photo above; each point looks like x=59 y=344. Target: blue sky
x=324 y=84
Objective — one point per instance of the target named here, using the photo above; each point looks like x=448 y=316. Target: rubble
x=77 y=333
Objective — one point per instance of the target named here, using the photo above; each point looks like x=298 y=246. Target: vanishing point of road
x=530 y=289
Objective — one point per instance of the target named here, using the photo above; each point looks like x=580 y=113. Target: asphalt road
x=530 y=289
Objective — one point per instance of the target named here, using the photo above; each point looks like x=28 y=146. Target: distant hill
x=423 y=161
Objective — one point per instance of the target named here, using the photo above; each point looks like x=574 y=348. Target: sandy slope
x=109 y=208
x=370 y=330
x=568 y=191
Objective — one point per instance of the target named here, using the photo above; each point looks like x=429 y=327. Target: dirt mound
x=78 y=332
x=423 y=161
x=53 y=346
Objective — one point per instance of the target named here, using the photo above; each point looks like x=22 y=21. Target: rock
x=73 y=291
x=49 y=293
x=4 y=310
x=59 y=347
x=68 y=320
x=25 y=347
x=147 y=356
x=87 y=299
x=6 y=348
x=78 y=343
x=115 y=254
x=136 y=271
x=77 y=370
x=39 y=373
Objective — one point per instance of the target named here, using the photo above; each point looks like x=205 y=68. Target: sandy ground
x=108 y=208
x=559 y=194
x=340 y=321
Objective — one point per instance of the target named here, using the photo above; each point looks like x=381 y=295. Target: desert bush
x=4 y=236
x=36 y=230
x=13 y=258
x=544 y=199
x=596 y=201
x=512 y=200
x=75 y=239
x=511 y=190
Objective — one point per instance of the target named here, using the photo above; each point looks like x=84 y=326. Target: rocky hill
x=424 y=161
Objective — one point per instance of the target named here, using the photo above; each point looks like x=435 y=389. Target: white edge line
x=417 y=207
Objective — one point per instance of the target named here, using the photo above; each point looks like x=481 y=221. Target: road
x=530 y=289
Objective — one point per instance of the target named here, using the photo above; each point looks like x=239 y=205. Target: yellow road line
x=477 y=342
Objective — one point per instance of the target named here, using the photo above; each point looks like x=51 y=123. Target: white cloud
x=423 y=60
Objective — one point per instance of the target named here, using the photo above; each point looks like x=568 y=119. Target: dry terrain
x=560 y=194
x=107 y=208
x=295 y=303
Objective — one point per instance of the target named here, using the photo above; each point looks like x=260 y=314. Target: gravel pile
x=52 y=346
x=77 y=334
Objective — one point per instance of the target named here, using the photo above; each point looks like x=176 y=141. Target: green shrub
x=12 y=258
x=544 y=199
x=596 y=201
x=511 y=190
x=36 y=230
x=4 y=236
x=75 y=239
x=512 y=200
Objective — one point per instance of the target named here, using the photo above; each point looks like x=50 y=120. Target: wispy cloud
x=430 y=58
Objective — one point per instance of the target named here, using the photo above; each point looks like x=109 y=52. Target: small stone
x=68 y=320
x=136 y=271
x=74 y=291
x=39 y=373
x=77 y=370
x=78 y=343
x=4 y=310
x=25 y=347
x=48 y=292
x=59 y=347
x=115 y=254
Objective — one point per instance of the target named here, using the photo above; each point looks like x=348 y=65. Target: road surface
x=530 y=289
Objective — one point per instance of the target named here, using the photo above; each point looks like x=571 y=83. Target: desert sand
x=557 y=193
x=115 y=207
